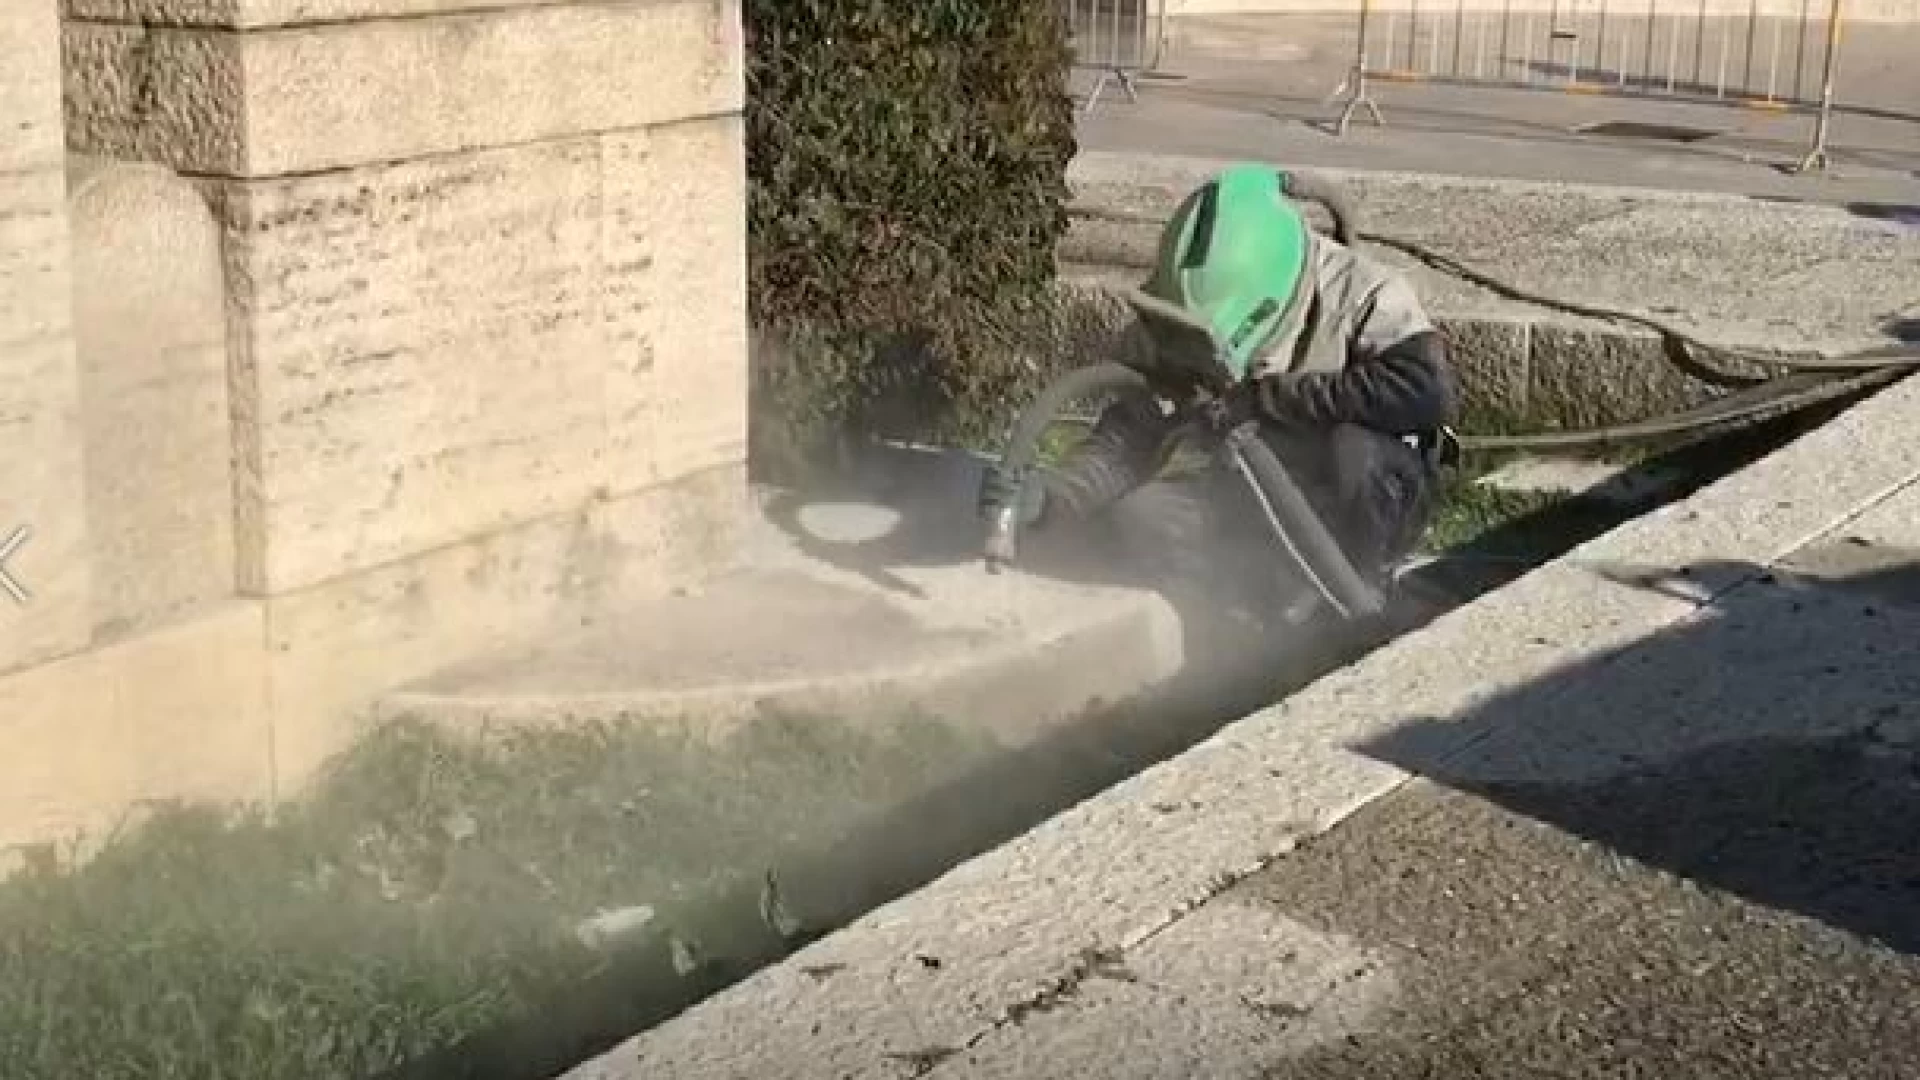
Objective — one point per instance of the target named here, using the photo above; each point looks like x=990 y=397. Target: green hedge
x=908 y=165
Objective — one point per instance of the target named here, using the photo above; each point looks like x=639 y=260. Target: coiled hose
x=1299 y=529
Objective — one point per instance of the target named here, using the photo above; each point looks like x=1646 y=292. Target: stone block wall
x=40 y=423
x=407 y=330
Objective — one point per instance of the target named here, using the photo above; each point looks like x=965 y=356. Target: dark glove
x=1239 y=405
x=1001 y=488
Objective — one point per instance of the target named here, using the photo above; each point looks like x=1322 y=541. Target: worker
x=1335 y=360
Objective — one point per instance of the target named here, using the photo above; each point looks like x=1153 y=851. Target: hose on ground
x=1811 y=380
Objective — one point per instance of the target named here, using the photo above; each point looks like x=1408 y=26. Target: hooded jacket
x=1366 y=354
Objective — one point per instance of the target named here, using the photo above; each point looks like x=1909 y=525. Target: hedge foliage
x=907 y=163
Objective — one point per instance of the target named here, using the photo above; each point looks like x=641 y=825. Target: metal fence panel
x=1117 y=39
x=1776 y=55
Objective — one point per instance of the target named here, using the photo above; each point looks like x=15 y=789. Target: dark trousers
x=1374 y=492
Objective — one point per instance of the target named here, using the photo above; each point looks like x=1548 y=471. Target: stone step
x=874 y=611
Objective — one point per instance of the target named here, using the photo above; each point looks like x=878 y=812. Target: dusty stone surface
x=250 y=104
x=486 y=378
x=29 y=85
x=1013 y=926
x=872 y=628
x=151 y=331
x=179 y=712
x=336 y=647
x=405 y=385
x=768 y=642
x=41 y=471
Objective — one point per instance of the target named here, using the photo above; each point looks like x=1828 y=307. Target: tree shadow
x=1768 y=747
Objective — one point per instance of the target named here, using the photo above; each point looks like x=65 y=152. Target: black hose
x=1778 y=398
x=1295 y=523
x=1315 y=187
x=1300 y=530
x=1023 y=445
x=1678 y=341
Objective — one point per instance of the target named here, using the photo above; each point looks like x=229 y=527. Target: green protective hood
x=1238 y=257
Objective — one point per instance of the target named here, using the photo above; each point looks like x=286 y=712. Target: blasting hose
x=1023 y=445
x=1809 y=380
x=1299 y=529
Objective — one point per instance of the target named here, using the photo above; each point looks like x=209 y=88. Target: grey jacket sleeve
x=1117 y=457
x=1397 y=379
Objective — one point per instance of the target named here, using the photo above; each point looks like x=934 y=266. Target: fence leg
x=1358 y=96
x=1818 y=158
x=1109 y=76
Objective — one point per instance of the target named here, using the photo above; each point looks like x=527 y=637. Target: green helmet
x=1238 y=256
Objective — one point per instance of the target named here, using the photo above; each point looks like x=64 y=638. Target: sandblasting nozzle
x=1002 y=538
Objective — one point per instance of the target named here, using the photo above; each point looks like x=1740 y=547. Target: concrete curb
x=935 y=972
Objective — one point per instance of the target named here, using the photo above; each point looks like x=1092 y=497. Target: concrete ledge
x=244 y=703
x=710 y=662
x=1010 y=927
x=271 y=102
x=176 y=714
x=870 y=612
x=337 y=647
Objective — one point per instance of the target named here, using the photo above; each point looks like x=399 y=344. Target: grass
x=429 y=889
x=1469 y=511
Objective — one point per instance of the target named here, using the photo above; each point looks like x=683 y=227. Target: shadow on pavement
x=1768 y=747
x=1897 y=213
x=1904 y=330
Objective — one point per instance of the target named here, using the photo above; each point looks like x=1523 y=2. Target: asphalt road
x=1264 y=87
x=1766 y=924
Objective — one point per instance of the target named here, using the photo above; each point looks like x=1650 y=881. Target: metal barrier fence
x=1682 y=50
x=1118 y=39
